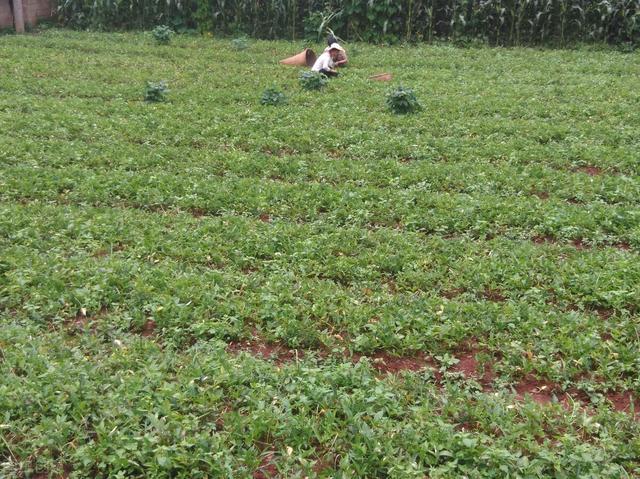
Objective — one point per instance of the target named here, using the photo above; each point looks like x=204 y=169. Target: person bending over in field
x=341 y=59
x=326 y=63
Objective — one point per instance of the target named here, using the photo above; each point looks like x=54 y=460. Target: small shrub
x=628 y=47
x=273 y=96
x=240 y=43
x=155 y=91
x=310 y=80
x=162 y=34
x=402 y=100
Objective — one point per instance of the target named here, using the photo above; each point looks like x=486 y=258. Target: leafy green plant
x=240 y=43
x=162 y=34
x=273 y=96
x=155 y=91
x=401 y=100
x=312 y=80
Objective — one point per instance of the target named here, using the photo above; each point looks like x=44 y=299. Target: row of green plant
x=382 y=289
x=504 y=22
x=401 y=100
x=81 y=406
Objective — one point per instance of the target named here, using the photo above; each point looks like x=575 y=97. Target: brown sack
x=382 y=77
x=305 y=57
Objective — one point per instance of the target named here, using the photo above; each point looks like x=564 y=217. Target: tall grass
x=500 y=22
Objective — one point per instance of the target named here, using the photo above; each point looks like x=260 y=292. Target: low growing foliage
x=312 y=80
x=221 y=289
x=273 y=96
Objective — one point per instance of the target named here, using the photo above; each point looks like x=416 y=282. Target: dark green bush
x=402 y=100
x=240 y=43
x=273 y=96
x=162 y=34
x=156 y=91
x=310 y=80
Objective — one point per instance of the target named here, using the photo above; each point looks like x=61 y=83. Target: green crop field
x=209 y=287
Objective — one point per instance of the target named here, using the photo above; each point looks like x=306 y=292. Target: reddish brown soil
x=574 y=395
x=265 y=218
x=324 y=463
x=604 y=313
x=578 y=243
x=266 y=350
x=280 y=152
x=466 y=427
x=538 y=390
x=101 y=253
x=590 y=170
x=625 y=402
x=543 y=195
x=573 y=307
x=214 y=264
x=148 y=328
x=391 y=285
x=452 y=293
x=543 y=239
x=623 y=245
x=467 y=365
x=470 y=367
x=267 y=469
x=606 y=336
x=493 y=295
x=197 y=212
x=385 y=363
x=66 y=472
x=575 y=201
x=82 y=321
x=381 y=361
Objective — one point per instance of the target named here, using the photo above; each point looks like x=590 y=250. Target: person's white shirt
x=324 y=62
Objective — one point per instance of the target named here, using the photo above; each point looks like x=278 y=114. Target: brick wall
x=36 y=10
x=33 y=11
x=6 y=17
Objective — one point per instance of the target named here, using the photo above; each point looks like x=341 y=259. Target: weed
x=273 y=96
x=162 y=34
x=240 y=43
x=156 y=91
x=311 y=80
x=402 y=100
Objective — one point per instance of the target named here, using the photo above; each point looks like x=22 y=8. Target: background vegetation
x=499 y=22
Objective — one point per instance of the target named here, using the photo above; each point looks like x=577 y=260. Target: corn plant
x=502 y=22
